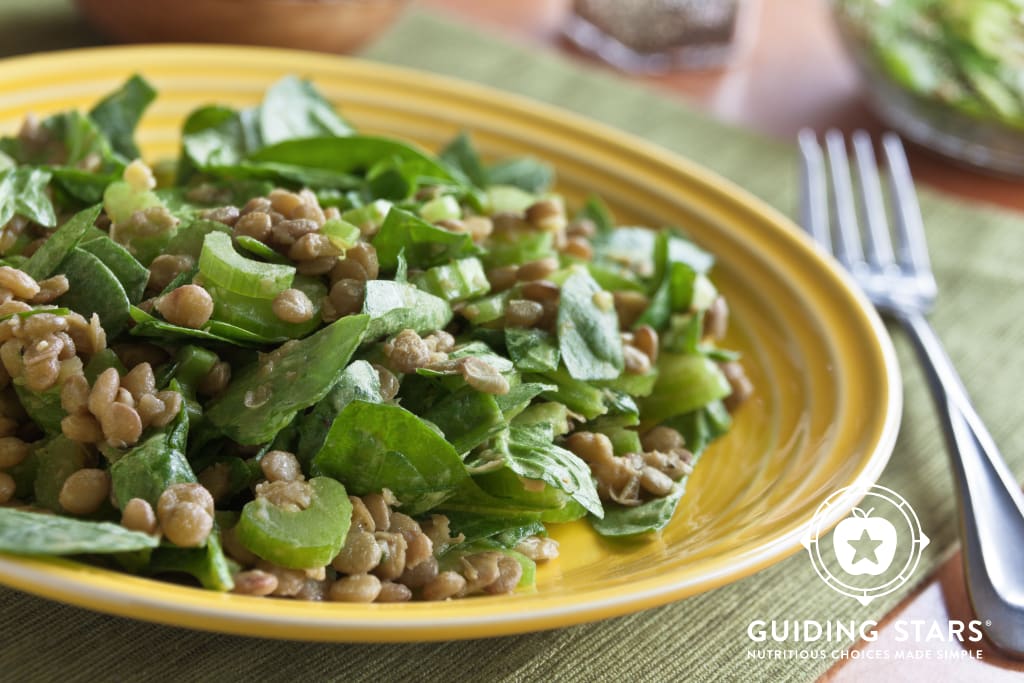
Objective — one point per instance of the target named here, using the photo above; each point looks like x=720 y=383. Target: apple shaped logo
x=864 y=544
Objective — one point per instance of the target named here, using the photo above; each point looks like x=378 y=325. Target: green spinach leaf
x=374 y=446
x=263 y=398
x=32 y=533
x=423 y=244
x=117 y=114
x=588 y=335
x=394 y=306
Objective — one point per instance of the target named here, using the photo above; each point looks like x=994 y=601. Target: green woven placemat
x=976 y=256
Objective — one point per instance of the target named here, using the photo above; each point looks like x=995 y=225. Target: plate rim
x=57 y=578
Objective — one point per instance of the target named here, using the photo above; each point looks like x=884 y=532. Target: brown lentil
x=216 y=380
x=227 y=215
x=165 y=268
x=138 y=515
x=139 y=381
x=502 y=277
x=547 y=215
x=537 y=270
x=541 y=291
x=716 y=319
x=379 y=507
x=636 y=362
x=392 y=563
x=407 y=352
x=122 y=425
x=742 y=388
x=287 y=232
x=284 y=202
x=289 y=581
x=172 y=406
x=523 y=313
x=482 y=376
x=281 y=466
x=8 y=487
x=21 y=284
x=317 y=266
x=360 y=554
x=312 y=590
x=187 y=525
x=261 y=204
x=362 y=520
x=287 y=495
x=646 y=339
x=84 y=491
x=10 y=355
x=188 y=306
x=629 y=306
x=478 y=227
x=662 y=438
x=312 y=245
x=41 y=367
x=293 y=306
x=510 y=573
x=255 y=224
x=360 y=263
x=254 y=582
x=393 y=592
x=581 y=227
x=50 y=289
x=81 y=427
x=389 y=384
x=480 y=570
x=12 y=451
x=538 y=548
x=359 y=588
x=445 y=585
x=347 y=296
x=104 y=391
x=579 y=247
x=420 y=575
x=655 y=482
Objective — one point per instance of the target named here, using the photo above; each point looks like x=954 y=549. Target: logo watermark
x=873 y=551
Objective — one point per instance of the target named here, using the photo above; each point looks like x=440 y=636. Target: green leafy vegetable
x=262 y=399
x=31 y=533
x=95 y=289
x=394 y=306
x=45 y=260
x=117 y=114
x=423 y=244
x=588 y=337
x=374 y=446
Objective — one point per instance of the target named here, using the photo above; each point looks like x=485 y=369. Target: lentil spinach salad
x=304 y=362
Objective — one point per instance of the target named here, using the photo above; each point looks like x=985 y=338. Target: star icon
x=865 y=547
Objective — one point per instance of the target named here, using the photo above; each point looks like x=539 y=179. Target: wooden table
x=794 y=73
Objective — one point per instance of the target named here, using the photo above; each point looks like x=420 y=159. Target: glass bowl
x=947 y=74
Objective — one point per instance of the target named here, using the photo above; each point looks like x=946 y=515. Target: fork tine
x=813 y=189
x=911 y=245
x=848 y=249
x=876 y=237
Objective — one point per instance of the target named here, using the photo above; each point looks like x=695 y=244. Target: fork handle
x=991 y=502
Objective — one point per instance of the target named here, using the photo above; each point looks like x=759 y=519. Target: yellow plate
x=824 y=416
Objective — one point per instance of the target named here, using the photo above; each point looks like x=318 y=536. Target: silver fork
x=901 y=286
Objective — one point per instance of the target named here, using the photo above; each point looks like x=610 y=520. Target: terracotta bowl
x=324 y=25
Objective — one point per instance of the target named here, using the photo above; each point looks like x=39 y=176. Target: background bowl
x=929 y=81
x=323 y=25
